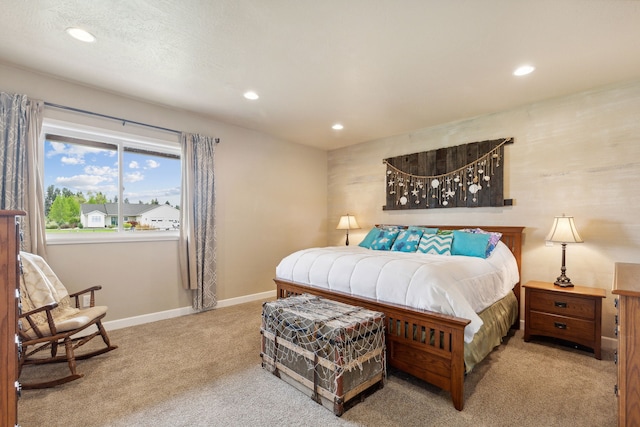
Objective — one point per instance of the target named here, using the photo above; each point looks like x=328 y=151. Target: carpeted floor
x=204 y=370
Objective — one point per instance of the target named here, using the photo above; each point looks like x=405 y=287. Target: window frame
x=170 y=146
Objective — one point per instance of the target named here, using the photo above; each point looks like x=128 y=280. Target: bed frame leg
x=458 y=398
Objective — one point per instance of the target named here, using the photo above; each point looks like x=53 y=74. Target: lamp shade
x=564 y=230
x=347 y=222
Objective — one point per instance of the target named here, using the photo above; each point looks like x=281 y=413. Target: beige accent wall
x=578 y=155
x=271 y=200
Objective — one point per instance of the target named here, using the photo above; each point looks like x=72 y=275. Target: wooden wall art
x=468 y=175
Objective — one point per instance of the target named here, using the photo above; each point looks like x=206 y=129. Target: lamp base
x=563 y=281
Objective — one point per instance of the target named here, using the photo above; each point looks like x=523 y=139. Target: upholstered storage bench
x=331 y=351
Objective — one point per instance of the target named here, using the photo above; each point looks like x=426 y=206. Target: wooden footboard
x=425 y=344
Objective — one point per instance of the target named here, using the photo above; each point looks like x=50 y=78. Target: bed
x=426 y=343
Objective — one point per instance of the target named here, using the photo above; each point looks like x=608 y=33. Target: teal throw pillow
x=436 y=244
x=425 y=230
x=407 y=240
x=470 y=244
x=384 y=240
x=368 y=239
x=493 y=239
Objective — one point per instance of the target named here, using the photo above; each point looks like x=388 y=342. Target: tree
x=80 y=197
x=52 y=193
x=64 y=210
x=97 y=199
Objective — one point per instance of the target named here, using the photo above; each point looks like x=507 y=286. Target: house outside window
x=93 y=177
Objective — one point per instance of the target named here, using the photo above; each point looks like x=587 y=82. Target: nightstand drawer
x=567 y=328
x=562 y=304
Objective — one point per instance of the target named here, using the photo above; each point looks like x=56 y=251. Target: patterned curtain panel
x=197 y=224
x=21 y=184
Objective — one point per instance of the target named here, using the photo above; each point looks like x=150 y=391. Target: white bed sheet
x=456 y=285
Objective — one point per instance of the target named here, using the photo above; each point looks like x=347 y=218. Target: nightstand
x=572 y=314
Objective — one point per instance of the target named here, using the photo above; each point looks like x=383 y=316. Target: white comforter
x=456 y=285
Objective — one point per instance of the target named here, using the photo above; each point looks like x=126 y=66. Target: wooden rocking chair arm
x=85 y=291
x=47 y=307
x=92 y=290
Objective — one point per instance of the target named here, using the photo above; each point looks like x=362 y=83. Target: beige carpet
x=204 y=370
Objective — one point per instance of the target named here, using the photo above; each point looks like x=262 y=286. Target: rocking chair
x=49 y=320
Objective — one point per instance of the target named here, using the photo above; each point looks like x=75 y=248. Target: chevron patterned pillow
x=437 y=244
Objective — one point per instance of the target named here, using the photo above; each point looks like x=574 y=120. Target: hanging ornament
x=403 y=200
x=435 y=183
x=473 y=189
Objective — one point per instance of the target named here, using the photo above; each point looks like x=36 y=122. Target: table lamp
x=347 y=222
x=564 y=231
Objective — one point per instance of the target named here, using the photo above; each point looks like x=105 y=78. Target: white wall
x=578 y=155
x=271 y=200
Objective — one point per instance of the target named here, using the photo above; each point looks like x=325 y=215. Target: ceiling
x=378 y=67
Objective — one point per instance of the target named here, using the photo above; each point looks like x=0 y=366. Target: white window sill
x=82 y=238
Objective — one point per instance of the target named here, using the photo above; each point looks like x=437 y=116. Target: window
x=106 y=182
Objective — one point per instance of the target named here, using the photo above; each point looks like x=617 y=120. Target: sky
x=88 y=169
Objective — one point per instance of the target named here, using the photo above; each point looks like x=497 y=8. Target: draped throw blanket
x=197 y=224
x=21 y=185
x=39 y=287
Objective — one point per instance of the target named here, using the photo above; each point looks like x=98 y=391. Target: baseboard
x=183 y=311
x=607 y=343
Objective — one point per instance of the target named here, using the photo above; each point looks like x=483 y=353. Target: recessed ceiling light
x=80 y=34
x=251 y=95
x=524 y=70
x=337 y=126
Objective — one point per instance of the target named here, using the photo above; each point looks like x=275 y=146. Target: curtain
x=197 y=246
x=21 y=183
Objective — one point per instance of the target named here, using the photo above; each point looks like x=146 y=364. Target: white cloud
x=86 y=183
x=101 y=171
x=152 y=164
x=72 y=160
x=133 y=177
x=73 y=154
x=134 y=165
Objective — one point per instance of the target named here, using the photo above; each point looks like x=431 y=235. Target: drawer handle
x=560 y=325
x=560 y=304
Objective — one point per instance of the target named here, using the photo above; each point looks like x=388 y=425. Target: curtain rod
x=104 y=116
